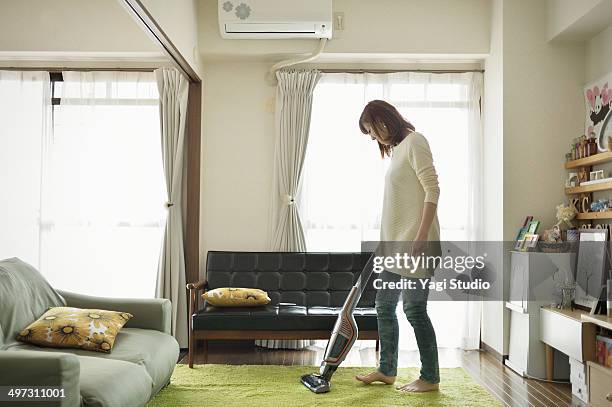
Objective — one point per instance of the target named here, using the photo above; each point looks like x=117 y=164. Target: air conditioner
x=275 y=19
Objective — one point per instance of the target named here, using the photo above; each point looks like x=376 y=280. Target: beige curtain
x=173 y=91
x=293 y=108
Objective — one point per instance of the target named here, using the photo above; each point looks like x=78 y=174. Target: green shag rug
x=272 y=386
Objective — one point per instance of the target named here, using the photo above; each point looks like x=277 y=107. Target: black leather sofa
x=306 y=289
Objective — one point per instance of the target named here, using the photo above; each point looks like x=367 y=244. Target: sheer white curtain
x=341 y=193
x=25 y=103
x=173 y=88
x=103 y=189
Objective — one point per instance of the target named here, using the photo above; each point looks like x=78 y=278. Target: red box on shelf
x=604 y=350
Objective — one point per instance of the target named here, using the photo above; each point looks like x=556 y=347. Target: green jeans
x=415 y=307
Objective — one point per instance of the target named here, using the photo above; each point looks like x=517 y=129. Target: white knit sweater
x=411 y=180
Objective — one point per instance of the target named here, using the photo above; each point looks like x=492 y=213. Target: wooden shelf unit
x=599 y=158
x=588 y=188
x=594 y=215
x=599 y=319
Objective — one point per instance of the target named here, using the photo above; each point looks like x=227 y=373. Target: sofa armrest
x=193 y=299
x=149 y=313
x=26 y=368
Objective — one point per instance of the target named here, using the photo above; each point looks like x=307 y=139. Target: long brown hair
x=380 y=114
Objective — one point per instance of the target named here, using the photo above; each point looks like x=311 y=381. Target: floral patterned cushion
x=67 y=327
x=236 y=297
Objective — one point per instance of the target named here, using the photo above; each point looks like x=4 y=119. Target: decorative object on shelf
x=565 y=215
x=584 y=203
x=592 y=145
x=600 y=205
x=572 y=180
x=596 y=175
x=568 y=157
x=596 y=181
x=598 y=100
x=583 y=175
x=582 y=146
x=568 y=293
x=574 y=204
x=591 y=266
x=533 y=227
x=521 y=233
x=552 y=235
x=572 y=235
x=530 y=242
x=554 y=247
x=552 y=239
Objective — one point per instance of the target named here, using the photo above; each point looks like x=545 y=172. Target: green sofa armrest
x=149 y=313
x=26 y=368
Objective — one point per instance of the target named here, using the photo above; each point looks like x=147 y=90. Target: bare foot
x=418 y=386
x=375 y=377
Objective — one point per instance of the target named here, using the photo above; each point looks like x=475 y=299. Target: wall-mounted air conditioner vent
x=279 y=19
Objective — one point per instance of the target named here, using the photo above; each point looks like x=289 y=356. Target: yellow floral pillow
x=236 y=297
x=66 y=327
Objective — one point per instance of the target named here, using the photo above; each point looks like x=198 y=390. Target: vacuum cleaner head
x=316 y=383
x=344 y=335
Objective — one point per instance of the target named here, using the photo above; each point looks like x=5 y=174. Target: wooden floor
x=499 y=380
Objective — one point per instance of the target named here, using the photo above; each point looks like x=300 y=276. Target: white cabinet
x=532 y=286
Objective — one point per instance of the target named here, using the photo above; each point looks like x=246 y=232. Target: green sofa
x=139 y=365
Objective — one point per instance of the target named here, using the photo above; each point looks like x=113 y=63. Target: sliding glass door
x=89 y=180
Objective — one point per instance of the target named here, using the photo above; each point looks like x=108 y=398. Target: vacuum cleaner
x=344 y=335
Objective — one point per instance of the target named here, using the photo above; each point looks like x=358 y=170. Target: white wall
x=179 y=20
x=577 y=21
x=238 y=119
x=382 y=26
x=70 y=26
x=542 y=112
x=237 y=152
x=562 y=14
x=493 y=121
x=599 y=55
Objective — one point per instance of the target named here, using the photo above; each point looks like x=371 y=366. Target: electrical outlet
x=339 y=22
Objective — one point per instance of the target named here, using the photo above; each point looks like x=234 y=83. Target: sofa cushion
x=278 y=318
x=155 y=351
x=236 y=297
x=69 y=327
x=25 y=295
x=107 y=382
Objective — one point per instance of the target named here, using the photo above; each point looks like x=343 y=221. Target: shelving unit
x=589 y=161
x=600 y=320
x=588 y=188
x=600 y=158
x=594 y=215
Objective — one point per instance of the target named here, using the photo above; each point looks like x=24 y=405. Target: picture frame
x=530 y=242
x=598 y=103
x=519 y=244
x=524 y=228
x=533 y=227
x=590 y=266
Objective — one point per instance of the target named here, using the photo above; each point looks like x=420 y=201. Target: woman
x=408 y=215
